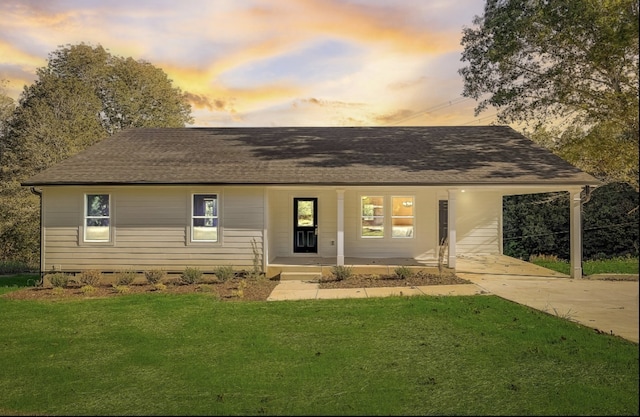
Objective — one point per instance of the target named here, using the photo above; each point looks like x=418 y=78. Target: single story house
x=172 y=198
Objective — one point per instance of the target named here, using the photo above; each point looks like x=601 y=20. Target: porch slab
x=324 y=265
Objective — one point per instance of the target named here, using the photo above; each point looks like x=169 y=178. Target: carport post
x=575 y=229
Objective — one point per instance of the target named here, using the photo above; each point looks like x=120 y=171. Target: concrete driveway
x=606 y=305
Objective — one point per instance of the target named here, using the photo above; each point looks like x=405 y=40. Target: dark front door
x=305 y=225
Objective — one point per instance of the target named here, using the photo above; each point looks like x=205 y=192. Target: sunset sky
x=268 y=62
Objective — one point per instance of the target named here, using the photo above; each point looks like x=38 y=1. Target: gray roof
x=316 y=155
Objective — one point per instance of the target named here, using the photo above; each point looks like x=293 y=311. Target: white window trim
x=83 y=228
x=361 y=216
x=387 y=215
x=412 y=217
x=192 y=217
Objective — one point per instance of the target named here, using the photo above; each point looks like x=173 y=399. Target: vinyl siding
x=478 y=222
x=151 y=229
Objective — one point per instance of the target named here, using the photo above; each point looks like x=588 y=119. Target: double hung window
x=97 y=218
x=204 y=218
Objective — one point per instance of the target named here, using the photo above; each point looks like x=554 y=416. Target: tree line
x=567 y=70
x=83 y=95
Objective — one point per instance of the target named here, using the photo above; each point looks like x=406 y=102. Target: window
x=402 y=217
x=372 y=217
x=204 y=223
x=97 y=220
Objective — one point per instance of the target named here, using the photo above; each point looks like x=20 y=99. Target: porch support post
x=451 y=220
x=265 y=232
x=340 y=234
x=575 y=229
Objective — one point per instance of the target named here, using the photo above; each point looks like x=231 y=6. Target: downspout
x=37 y=192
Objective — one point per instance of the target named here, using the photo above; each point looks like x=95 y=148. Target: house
x=206 y=197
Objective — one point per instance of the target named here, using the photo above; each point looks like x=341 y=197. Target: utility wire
x=635 y=223
x=432 y=109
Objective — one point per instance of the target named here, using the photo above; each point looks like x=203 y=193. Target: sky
x=249 y=63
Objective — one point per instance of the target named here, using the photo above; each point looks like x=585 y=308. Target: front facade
x=269 y=212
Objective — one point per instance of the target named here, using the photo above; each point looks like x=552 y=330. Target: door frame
x=305 y=234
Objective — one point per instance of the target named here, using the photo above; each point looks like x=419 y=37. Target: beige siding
x=281 y=221
x=151 y=229
x=478 y=223
x=421 y=246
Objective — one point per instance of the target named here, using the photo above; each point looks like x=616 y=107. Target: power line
x=567 y=231
x=434 y=108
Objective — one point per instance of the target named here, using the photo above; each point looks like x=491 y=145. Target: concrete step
x=300 y=276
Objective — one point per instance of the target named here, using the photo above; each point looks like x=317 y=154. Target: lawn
x=161 y=354
x=619 y=265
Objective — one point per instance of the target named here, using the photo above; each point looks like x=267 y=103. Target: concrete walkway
x=607 y=306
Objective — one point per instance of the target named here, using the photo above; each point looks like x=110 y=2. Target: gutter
x=38 y=192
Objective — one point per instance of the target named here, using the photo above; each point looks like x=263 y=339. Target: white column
x=575 y=229
x=265 y=231
x=340 y=235
x=453 y=195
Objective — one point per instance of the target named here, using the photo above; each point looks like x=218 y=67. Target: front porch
x=313 y=267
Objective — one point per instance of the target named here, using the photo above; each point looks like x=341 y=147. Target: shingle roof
x=315 y=155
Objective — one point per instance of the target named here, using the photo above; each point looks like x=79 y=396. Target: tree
x=567 y=70
x=6 y=107
x=83 y=95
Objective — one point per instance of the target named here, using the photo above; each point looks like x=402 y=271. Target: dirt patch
x=236 y=289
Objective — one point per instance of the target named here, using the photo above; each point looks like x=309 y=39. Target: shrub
x=90 y=277
x=122 y=289
x=224 y=273
x=403 y=272
x=59 y=279
x=159 y=286
x=155 y=276
x=191 y=275
x=239 y=292
x=88 y=289
x=341 y=272
x=126 y=277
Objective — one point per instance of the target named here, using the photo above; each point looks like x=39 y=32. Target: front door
x=305 y=225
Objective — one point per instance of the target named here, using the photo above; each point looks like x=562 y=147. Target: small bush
x=224 y=273
x=126 y=277
x=239 y=292
x=403 y=272
x=191 y=275
x=341 y=272
x=88 y=289
x=58 y=279
x=155 y=276
x=121 y=289
x=159 y=286
x=90 y=277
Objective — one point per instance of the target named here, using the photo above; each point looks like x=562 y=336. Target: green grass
x=621 y=265
x=160 y=354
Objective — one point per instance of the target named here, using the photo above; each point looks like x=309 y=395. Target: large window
x=204 y=224
x=375 y=210
x=97 y=218
x=402 y=217
x=372 y=216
